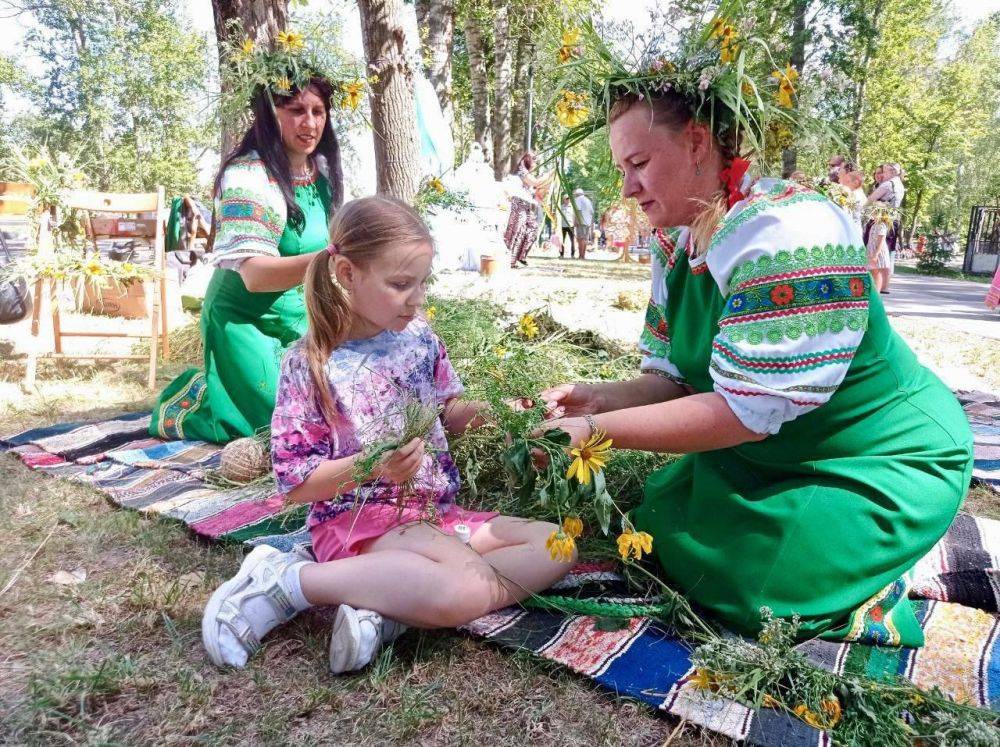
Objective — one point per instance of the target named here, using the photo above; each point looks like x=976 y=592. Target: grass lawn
x=100 y=608
x=945 y=273
x=100 y=620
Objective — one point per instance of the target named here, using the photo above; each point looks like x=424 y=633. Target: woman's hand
x=570 y=401
x=401 y=464
x=577 y=428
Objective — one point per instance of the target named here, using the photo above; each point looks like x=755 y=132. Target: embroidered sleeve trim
x=786 y=364
x=783 y=194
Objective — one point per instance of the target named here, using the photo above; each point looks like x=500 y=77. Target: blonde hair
x=672 y=110
x=361 y=230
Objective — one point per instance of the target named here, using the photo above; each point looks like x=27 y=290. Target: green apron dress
x=245 y=335
x=823 y=518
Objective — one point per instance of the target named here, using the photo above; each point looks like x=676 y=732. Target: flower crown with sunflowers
x=285 y=66
x=725 y=74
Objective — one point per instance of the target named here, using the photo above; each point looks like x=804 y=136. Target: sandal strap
x=231 y=616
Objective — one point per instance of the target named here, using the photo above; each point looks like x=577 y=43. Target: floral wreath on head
x=725 y=74
x=285 y=66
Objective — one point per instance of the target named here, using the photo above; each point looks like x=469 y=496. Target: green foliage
x=771 y=672
x=939 y=251
x=123 y=83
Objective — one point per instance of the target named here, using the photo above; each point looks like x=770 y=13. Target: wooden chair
x=99 y=226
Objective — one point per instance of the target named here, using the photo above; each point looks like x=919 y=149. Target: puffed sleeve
x=301 y=437
x=447 y=385
x=654 y=341
x=250 y=219
x=793 y=271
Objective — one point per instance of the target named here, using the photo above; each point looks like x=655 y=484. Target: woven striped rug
x=958 y=582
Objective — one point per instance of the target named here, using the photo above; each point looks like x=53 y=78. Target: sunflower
x=589 y=457
x=560 y=546
x=528 y=327
x=572 y=109
x=436 y=184
x=352 y=95
x=430 y=312
x=289 y=41
x=572 y=526
x=632 y=543
x=283 y=84
x=247 y=47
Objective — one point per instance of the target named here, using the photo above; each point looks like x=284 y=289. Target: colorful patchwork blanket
x=957 y=583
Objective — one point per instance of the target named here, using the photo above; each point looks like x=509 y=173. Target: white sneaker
x=247 y=607
x=357 y=635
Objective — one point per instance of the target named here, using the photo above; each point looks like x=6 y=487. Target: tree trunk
x=261 y=20
x=502 y=75
x=789 y=158
x=871 y=44
x=394 y=116
x=519 y=97
x=438 y=18
x=479 y=82
x=519 y=117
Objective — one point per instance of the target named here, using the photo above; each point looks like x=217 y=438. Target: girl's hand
x=570 y=400
x=402 y=464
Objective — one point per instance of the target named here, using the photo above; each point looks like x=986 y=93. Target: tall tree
x=524 y=57
x=797 y=59
x=475 y=15
x=260 y=20
x=502 y=79
x=394 y=116
x=119 y=85
x=436 y=19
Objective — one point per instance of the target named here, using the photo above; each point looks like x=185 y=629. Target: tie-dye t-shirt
x=372 y=381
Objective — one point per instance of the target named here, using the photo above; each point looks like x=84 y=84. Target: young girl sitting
x=385 y=541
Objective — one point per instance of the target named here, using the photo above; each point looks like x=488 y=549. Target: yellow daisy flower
x=528 y=327
x=786 y=85
x=571 y=37
x=352 y=95
x=500 y=351
x=283 y=84
x=810 y=717
x=436 y=184
x=430 y=312
x=290 y=41
x=729 y=49
x=830 y=707
x=572 y=109
x=94 y=267
x=560 y=546
x=572 y=526
x=591 y=456
x=634 y=544
x=247 y=47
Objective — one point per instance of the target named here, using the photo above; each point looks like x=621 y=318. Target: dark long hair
x=264 y=136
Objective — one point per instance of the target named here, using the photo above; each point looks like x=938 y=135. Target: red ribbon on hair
x=732 y=177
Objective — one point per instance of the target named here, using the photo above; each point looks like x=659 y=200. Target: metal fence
x=982 y=247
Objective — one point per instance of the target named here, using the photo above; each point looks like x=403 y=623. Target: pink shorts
x=347 y=534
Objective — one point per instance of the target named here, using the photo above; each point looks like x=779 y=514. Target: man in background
x=584 y=215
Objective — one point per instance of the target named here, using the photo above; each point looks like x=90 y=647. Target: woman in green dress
x=821 y=460
x=274 y=194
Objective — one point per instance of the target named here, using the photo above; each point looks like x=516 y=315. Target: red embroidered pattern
x=809 y=272
x=789 y=312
